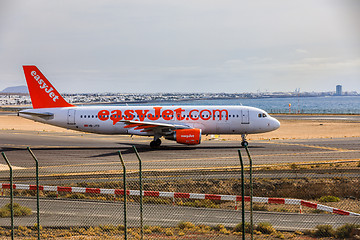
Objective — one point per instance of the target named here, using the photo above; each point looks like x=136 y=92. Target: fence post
x=242 y=196
x=37 y=191
x=141 y=193
x=11 y=195
x=125 y=194
x=251 y=194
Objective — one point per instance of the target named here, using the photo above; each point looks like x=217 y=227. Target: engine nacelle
x=186 y=136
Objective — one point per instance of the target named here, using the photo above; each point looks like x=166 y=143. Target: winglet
x=42 y=92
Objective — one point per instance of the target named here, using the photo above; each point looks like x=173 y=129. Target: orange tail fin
x=42 y=93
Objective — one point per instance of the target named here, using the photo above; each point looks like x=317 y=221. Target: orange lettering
x=116 y=116
x=156 y=115
x=190 y=114
x=167 y=114
x=142 y=114
x=103 y=115
x=129 y=114
x=202 y=115
x=178 y=112
x=220 y=112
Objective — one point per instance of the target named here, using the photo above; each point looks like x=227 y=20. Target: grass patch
x=184 y=230
x=265 y=228
x=346 y=230
x=329 y=199
x=19 y=210
x=324 y=231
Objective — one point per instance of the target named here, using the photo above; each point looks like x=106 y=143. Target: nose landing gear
x=244 y=143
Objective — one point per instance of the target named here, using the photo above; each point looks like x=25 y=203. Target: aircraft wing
x=152 y=126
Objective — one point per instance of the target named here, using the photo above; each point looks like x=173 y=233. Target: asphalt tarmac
x=69 y=213
x=69 y=152
x=70 y=157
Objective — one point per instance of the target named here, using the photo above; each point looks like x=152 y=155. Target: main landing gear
x=155 y=143
x=244 y=143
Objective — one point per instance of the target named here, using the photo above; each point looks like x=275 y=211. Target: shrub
x=147 y=231
x=219 y=227
x=266 y=228
x=186 y=225
x=108 y=228
x=206 y=203
x=281 y=209
x=36 y=227
x=19 y=210
x=168 y=232
x=279 y=235
x=238 y=227
x=51 y=195
x=224 y=231
x=345 y=230
x=259 y=207
x=76 y=196
x=329 y=199
x=324 y=231
x=293 y=166
x=156 y=229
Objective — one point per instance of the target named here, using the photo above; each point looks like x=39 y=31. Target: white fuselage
x=110 y=119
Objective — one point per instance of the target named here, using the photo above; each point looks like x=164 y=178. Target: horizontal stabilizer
x=36 y=114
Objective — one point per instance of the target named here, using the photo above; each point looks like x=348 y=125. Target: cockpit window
x=262 y=115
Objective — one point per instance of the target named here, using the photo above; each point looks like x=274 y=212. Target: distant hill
x=16 y=89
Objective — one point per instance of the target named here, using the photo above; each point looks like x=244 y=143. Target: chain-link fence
x=85 y=197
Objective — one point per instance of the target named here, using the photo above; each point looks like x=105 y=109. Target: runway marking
x=310 y=146
x=4 y=167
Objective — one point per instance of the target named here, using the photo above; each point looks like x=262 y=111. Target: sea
x=302 y=105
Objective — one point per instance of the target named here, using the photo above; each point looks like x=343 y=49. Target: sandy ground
x=290 y=129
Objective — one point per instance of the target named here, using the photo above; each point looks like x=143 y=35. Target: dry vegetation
x=184 y=230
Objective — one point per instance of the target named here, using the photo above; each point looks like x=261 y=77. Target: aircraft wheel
x=155 y=144
x=244 y=143
x=158 y=142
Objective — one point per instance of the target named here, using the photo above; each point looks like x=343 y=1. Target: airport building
x=338 y=90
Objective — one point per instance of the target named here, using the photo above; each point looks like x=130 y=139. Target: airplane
x=183 y=124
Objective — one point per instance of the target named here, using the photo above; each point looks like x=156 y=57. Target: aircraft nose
x=275 y=124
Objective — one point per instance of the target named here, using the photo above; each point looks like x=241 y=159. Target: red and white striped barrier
x=234 y=198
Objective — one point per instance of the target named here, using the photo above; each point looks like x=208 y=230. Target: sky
x=152 y=46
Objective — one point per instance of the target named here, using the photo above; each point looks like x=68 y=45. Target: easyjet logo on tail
x=42 y=92
x=44 y=86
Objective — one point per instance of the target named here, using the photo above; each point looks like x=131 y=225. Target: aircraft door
x=245 y=117
x=71 y=117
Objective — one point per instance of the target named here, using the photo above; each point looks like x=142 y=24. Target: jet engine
x=186 y=136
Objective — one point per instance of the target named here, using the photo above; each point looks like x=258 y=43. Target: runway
x=78 y=153
x=71 y=157
x=69 y=213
